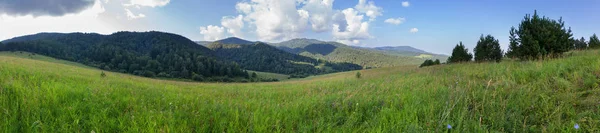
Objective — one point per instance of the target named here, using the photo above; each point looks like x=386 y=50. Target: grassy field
x=542 y=96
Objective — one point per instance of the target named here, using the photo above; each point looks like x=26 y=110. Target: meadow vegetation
x=510 y=96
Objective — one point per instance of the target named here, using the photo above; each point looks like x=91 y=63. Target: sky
x=431 y=25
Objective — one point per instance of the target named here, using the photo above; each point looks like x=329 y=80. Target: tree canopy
x=488 y=49
x=594 y=42
x=539 y=37
x=580 y=44
x=460 y=54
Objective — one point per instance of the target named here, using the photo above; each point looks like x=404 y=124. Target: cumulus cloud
x=212 y=33
x=234 y=25
x=275 y=19
x=130 y=15
x=369 y=9
x=405 y=4
x=148 y=3
x=355 y=30
x=320 y=12
x=43 y=7
x=414 y=30
x=395 y=21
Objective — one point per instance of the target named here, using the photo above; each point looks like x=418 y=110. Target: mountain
x=203 y=43
x=235 y=40
x=409 y=51
x=150 y=54
x=337 y=52
x=263 y=57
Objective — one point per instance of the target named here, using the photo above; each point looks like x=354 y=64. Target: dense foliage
x=460 y=54
x=538 y=37
x=488 y=49
x=430 y=63
x=266 y=58
x=594 y=42
x=580 y=44
x=149 y=54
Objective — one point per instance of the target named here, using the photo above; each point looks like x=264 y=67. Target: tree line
x=535 y=38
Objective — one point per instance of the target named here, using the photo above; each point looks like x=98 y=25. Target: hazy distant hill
x=150 y=54
x=409 y=51
x=235 y=40
x=367 y=57
x=266 y=58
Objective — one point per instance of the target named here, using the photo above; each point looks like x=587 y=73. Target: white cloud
x=148 y=3
x=212 y=33
x=369 y=9
x=234 y=25
x=85 y=21
x=275 y=19
x=130 y=15
x=395 y=21
x=355 y=30
x=414 y=30
x=405 y=4
x=321 y=13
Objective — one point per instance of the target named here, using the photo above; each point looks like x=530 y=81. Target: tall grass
x=512 y=96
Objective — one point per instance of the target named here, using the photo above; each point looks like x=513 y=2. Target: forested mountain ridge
x=266 y=58
x=150 y=54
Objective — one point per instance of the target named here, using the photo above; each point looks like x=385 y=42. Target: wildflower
x=576 y=126
x=449 y=126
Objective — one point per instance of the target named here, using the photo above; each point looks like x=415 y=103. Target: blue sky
x=441 y=24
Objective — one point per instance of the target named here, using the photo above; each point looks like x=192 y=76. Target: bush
x=358 y=75
x=102 y=74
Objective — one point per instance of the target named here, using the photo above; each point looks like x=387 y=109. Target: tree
x=437 y=62
x=460 y=54
x=358 y=75
x=538 y=37
x=594 y=42
x=254 y=75
x=580 y=44
x=488 y=49
x=512 y=51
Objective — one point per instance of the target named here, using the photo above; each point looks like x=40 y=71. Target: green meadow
x=41 y=94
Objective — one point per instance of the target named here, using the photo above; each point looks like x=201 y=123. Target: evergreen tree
x=512 y=51
x=580 y=44
x=594 y=42
x=460 y=54
x=540 y=37
x=437 y=62
x=488 y=49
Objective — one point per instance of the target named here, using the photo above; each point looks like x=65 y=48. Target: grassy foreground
x=542 y=96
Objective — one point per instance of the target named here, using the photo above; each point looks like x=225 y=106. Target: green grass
x=541 y=96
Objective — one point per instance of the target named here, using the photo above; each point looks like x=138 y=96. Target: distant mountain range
x=338 y=52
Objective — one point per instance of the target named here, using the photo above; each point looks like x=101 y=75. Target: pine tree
x=488 y=49
x=581 y=44
x=460 y=54
x=539 y=37
x=594 y=42
x=513 y=47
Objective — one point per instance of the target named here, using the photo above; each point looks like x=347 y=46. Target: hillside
x=150 y=54
x=540 y=96
x=266 y=58
x=337 y=52
x=235 y=40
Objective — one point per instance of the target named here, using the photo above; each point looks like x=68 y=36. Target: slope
x=150 y=54
x=337 y=52
x=542 y=96
x=265 y=58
